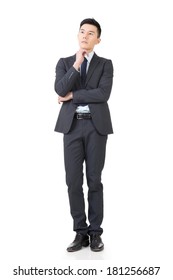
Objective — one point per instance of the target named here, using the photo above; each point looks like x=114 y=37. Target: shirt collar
x=89 y=56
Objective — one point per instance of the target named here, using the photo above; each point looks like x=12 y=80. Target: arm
x=100 y=92
x=66 y=76
x=68 y=97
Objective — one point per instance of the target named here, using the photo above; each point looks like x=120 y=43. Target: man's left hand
x=68 y=97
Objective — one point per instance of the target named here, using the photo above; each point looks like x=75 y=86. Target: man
x=83 y=84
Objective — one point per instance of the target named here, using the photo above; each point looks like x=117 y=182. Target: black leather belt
x=83 y=116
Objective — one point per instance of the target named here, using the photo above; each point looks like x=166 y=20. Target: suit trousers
x=84 y=144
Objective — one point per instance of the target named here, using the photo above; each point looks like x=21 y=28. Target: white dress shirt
x=80 y=108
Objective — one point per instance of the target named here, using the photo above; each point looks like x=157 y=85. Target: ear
x=98 y=40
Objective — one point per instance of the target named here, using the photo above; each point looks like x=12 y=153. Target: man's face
x=87 y=37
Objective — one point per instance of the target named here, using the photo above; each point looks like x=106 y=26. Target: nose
x=85 y=35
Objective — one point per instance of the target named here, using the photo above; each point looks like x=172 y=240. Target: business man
x=83 y=84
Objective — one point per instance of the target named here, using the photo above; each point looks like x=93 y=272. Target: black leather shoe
x=96 y=244
x=79 y=241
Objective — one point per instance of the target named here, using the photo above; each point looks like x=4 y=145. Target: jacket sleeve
x=99 y=93
x=65 y=77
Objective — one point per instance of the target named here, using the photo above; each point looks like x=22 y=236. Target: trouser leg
x=95 y=148
x=74 y=158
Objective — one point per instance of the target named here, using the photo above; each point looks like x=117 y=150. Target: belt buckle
x=79 y=117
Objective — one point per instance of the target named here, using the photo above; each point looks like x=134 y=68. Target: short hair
x=92 y=21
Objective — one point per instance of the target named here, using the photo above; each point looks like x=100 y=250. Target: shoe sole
x=97 y=249
x=84 y=244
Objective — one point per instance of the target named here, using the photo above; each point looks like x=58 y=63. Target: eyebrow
x=88 y=31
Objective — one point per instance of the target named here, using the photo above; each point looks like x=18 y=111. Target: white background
x=36 y=226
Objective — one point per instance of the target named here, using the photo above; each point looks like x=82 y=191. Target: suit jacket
x=96 y=92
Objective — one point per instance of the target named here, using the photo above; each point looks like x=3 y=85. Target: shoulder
x=66 y=61
x=68 y=58
x=101 y=59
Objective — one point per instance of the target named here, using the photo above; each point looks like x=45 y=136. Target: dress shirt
x=80 y=108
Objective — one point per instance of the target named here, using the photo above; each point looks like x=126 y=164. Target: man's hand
x=79 y=58
x=68 y=97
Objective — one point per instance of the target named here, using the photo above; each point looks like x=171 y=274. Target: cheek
x=95 y=42
x=79 y=36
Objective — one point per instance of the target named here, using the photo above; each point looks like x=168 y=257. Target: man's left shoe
x=96 y=243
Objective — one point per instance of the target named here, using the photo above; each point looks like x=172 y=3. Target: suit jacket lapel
x=92 y=66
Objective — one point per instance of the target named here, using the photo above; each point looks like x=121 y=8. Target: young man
x=83 y=84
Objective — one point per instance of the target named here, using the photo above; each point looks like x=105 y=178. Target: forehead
x=89 y=28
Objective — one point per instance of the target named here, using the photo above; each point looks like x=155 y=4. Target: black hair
x=92 y=21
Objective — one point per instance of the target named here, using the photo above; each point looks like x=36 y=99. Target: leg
x=74 y=158
x=95 y=147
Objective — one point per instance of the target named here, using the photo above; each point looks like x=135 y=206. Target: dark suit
x=85 y=140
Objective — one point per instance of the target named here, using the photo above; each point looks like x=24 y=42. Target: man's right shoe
x=79 y=242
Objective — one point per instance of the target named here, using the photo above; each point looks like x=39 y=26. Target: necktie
x=83 y=71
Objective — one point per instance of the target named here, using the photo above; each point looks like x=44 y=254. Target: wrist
x=76 y=66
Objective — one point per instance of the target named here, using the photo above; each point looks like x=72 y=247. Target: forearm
x=65 y=79
x=66 y=98
x=65 y=76
x=99 y=87
x=98 y=95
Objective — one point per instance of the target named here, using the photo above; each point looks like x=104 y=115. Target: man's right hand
x=79 y=58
